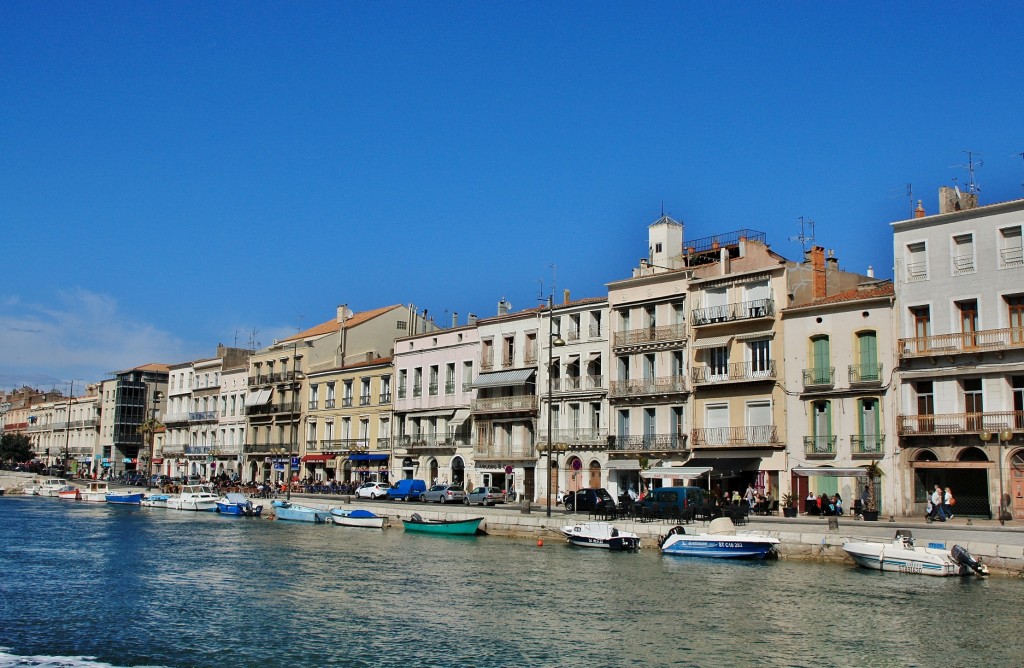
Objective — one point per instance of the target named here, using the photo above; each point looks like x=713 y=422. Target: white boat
x=155 y=500
x=601 y=535
x=193 y=497
x=47 y=487
x=96 y=491
x=357 y=518
x=286 y=510
x=234 y=503
x=901 y=555
x=720 y=541
x=70 y=494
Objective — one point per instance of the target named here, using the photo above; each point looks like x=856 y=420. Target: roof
x=863 y=292
x=333 y=325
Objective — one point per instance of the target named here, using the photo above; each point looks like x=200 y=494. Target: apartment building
x=64 y=432
x=960 y=316
x=128 y=398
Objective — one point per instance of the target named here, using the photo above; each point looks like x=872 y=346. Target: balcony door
x=867 y=352
x=973 y=403
x=822 y=426
x=868 y=425
x=1015 y=318
x=969 y=322
x=716 y=423
x=821 y=358
x=650 y=428
x=922 y=316
x=925 y=406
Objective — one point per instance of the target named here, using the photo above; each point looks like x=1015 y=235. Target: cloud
x=81 y=335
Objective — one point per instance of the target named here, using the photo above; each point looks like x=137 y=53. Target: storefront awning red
x=316 y=458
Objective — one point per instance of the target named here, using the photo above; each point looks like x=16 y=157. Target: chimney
x=723 y=260
x=343 y=313
x=471 y=319
x=504 y=307
x=455 y=319
x=818 y=289
x=871 y=270
x=565 y=296
x=832 y=261
x=951 y=199
x=919 y=211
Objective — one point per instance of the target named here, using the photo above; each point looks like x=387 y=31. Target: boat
x=155 y=500
x=720 y=541
x=193 y=497
x=901 y=555
x=286 y=510
x=601 y=535
x=95 y=491
x=125 y=498
x=47 y=487
x=2 y=490
x=357 y=518
x=70 y=494
x=444 y=527
x=234 y=503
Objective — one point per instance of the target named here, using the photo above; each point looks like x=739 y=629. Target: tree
x=873 y=471
x=15 y=448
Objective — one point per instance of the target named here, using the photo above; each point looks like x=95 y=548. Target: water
x=92 y=584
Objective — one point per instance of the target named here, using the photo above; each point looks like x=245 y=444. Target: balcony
x=917 y=272
x=486 y=363
x=592 y=438
x=869 y=447
x=647 y=387
x=649 y=444
x=577 y=383
x=430 y=442
x=449 y=387
x=314 y=404
x=649 y=336
x=330 y=403
x=513 y=404
x=503 y=452
x=1011 y=257
x=961 y=343
x=203 y=416
x=175 y=418
x=364 y=400
x=819 y=378
x=198 y=450
x=346 y=402
x=402 y=392
x=865 y=374
x=508 y=361
x=821 y=447
x=530 y=356
x=417 y=391
x=432 y=389
x=272 y=409
x=736 y=437
x=385 y=397
x=737 y=372
x=267 y=448
x=959 y=423
x=752 y=310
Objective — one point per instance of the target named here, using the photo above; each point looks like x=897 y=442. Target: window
x=963 y=254
x=718 y=363
x=1010 y=251
x=821 y=427
x=925 y=405
x=973 y=403
x=347 y=398
x=716 y=422
x=417 y=382
x=679 y=313
x=314 y=396
x=595 y=324
x=385 y=389
x=364 y=391
x=867 y=369
x=917 y=262
x=758 y=296
x=1015 y=318
x=624 y=423
x=650 y=427
x=467 y=376
x=403 y=377
x=486 y=354
x=508 y=351
x=432 y=387
x=649 y=367
x=868 y=426
x=623 y=366
x=678 y=364
x=1017 y=384
x=449 y=378
x=678 y=426
x=760 y=357
x=329 y=402
x=922 y=322
x=968 y=321
x=821 y=369
x=718 y=305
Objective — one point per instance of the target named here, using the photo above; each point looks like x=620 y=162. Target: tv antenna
x=974 y=162
x=910 y=198
x=1021 y=156
x=806 y=234
x=540 y=295
x=253 y=343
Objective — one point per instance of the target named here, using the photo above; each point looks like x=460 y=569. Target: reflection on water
x=150 y=586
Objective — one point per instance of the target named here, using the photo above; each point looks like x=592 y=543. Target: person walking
x=936 y=500
x=947 y=503
x=748 y=496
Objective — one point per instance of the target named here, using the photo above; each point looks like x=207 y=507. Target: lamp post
x=1004 y=436
x=149 y=429
x=552 y=342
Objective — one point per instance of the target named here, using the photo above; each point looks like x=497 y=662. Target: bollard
x=833 y=523
x=524 y=506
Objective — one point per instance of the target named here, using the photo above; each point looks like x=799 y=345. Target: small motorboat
x=721 y=541
x=193 y=497
x=234 y=503
x=96 y=491
x=357 y=518
x=126 y=498
x=903 y=556
x=602 y=535
x=70 y=494
x=286 y=510
x=48 y=487
x=418 y=524
x=155 y=500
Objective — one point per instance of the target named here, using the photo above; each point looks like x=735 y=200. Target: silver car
x=444 y=494
x=484 y=496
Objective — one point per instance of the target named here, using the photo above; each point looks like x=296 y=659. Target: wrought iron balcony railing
x=524 y=402
x=865 y=374
x=710 y=315
x=648 y=443
x=483 y=451
x=648 y=386
x=711 y=437
x=819 y=377
x=591 y=437
x=872 y=445
x=820 y=446
x=734 y=372
x=959 y=423
x=648 y=335
x=1007 y=338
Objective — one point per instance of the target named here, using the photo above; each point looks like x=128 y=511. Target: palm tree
x=873 y=471
x=148 y=431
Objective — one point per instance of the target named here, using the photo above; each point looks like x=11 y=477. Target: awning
x=156 y=460
x=623 y=465
x=594 y=356
x=677 y=472
x=837 y=472
x=726 y=466
x=258 y=398
x=503 y=378
x=368 y=457
x=711 y=342
x=317 y=458
x=461 y=415
x=436 y=413
x=755 y=335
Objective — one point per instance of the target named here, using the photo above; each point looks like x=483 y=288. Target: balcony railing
x=820 y=446
x=198 y=449
x=203 y=416
x=864 y=374
x=648 y=335
x=267 y=448
x=710 y=437
x=417 y=390
x=430 y=442
x=330 y=403
x=709 y=315
x=734 y=372
x=273 y=409
x=1011 y=257
x=530 y=356
x=819 y=377
x=572 y=333
x=402 y=392
x=649 y=443
x=868 y=446
x=486 y=363
x=962 y=342
x=917 y=271
x=575 y=383
x=364 y=400
x=591 y=437
x=346 y=402
x=517 y=403
x=175 y=418
x=432 y=389
x=648 y=386
x=504 y=451
x=959 y=423
x=385 y=397
x=449 y=387
x=268 y=378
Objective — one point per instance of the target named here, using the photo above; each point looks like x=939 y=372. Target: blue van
x=663 y=500
x=407 y=489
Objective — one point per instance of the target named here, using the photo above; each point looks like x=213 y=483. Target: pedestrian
x=937 y=505
x=947 y=503
x=748 y=496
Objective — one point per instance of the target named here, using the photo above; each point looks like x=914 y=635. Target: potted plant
x=873 y=471
x=789 y=502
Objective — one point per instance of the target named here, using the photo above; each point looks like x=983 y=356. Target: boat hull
x=444 y=527
x=916 y=561
x=717 y=547
x=363 y=519
x=240 y=509
x=70 y=495
x=285 y=510
x=125 y=499
x=156 y=500
x=601 y=535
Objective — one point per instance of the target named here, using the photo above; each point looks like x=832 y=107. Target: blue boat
x=286 y=510
x=129 y=498
x=720 y=542
x=234 y=503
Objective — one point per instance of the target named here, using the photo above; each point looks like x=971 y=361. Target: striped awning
x=711 y=342
x=675 y=472
x=503 y=378
x=837 y=472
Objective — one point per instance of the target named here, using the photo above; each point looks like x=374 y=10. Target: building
x=128 y=399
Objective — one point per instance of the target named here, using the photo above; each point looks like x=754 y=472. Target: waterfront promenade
x=1001 y=547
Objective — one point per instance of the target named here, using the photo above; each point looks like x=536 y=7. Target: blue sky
x=178 y=175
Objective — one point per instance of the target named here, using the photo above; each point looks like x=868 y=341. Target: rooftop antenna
x=1021 y=156
x=910 y=198
x=974 y=162
x=804 y=237
x=540 y=295
x=253 y=343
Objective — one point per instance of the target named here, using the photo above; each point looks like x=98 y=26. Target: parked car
x=444 y=494
x=372 y=490
x=588 y=499
x=407 y=489
x=484 y=496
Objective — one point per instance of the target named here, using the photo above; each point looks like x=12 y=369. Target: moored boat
x=155 y=500
x=193 y=497
x=357 y=518
x=234 y=503
x=286 y=510
x=901 y=555
x=70 y=494
x=47 y=487
x=125 y=498
x=443 y=527
x=721 y=541
x=601 y=535
x=95 y=491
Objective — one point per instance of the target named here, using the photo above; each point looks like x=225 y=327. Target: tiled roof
x=332 y=326
x=860 y=293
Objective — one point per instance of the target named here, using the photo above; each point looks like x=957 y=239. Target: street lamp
x=552 y=342
x=149 y=428
x=1005 y=436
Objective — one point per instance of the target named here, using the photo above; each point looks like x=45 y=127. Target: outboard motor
x=967 y=562
x=671 y=532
